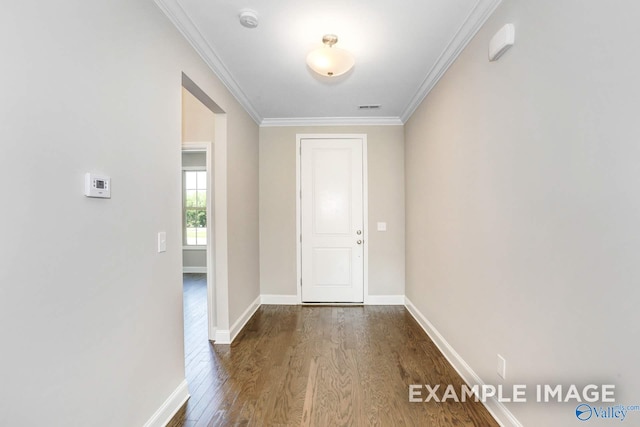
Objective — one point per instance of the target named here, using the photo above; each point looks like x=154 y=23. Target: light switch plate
x=382 y=226
x=162 y=241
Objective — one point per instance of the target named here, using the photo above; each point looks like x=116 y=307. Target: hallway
x=316 y=366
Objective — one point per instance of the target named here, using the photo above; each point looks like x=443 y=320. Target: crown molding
x=331 y=121
x=176 y=14
x=471 y=25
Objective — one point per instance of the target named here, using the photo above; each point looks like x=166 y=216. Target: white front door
x=332 y=220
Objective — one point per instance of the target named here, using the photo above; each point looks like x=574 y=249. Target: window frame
x=186 y=169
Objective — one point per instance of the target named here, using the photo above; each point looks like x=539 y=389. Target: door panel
x=332 y=216
x=331 y=173
x=332 y=266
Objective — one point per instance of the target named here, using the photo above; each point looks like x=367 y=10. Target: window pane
x=191 y=236
x=191 y=182
x=201 y=236
x=201 y=220
x=202 y=199
x=191 y=218
x=191 y=198
x=202 y=180
x=195 y=202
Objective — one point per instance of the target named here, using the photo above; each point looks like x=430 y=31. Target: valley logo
x=586 y=412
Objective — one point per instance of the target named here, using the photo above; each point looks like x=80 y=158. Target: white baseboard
x=194 y=269
x=222 y=336
x=170 y=406
x=279 y=299
x=384 y=300
x=212 y=333
x=497 y=409
x=227 y=336
x=244 y=318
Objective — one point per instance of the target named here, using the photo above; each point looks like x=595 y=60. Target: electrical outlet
x=502 y=367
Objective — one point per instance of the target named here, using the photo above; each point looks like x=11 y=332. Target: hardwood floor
x=316 y=366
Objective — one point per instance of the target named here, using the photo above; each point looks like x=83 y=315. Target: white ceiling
x=401 y=49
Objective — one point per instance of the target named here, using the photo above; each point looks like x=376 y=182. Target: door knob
x=359 y=242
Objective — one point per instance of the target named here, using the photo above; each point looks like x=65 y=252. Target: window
x=195 y=207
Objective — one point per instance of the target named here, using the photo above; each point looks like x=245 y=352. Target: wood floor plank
x=316 y=366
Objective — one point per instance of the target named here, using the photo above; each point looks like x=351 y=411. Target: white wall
x=91 y=324
x=278 y=206
x=196 y=159
x=194 y=260
x=522 y=201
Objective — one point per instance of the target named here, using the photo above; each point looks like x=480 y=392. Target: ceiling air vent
x=369 y=107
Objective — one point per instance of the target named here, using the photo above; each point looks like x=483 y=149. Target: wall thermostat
x=97 y=186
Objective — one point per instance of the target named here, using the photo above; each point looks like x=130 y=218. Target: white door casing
x=332 y=219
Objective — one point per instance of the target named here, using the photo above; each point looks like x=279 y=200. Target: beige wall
x=242 y=207
x=95 y=327
x=278 y=207
x=522 y=201
x=197 y=120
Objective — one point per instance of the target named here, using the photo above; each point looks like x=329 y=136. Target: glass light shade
x=330 y=61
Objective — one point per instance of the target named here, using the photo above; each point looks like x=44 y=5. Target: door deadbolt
x=359 y=232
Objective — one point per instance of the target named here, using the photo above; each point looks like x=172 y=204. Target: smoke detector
x=248 y=18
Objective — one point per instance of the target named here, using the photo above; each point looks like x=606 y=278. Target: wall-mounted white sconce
x=501 y=42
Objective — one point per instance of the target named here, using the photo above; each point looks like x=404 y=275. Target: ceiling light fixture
x=328 y=60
